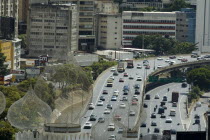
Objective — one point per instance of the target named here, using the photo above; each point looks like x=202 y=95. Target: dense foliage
x=162 y=45
x=176 y=5
x=3 y=68
x=199 y=77
x=195 y=93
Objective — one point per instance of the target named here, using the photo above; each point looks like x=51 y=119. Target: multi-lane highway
x=99 y=130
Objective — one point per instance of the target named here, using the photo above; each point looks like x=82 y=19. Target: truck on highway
x=121 y=67
x=109 y=82
x=129 y=63
x=175 y=97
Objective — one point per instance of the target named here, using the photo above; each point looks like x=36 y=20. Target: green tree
x=23 y=42
x=185 y=47
x=176 y=5
x=3 y=68
x=199 y=77
x=7 y=131
x=24 y=85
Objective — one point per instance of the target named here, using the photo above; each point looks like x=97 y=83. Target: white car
x=111 y=77
x=168 y=120
x=138 y=78
x=167 y=60
x=88 y=125
x=122 y=105
x=159 y=58
x=132 y=113
x=111 y=127
x=139 y=67
x=159 y=66
x=91 y=106
x=113 y=69
x=180 y=58
x=116 y=93
x=107 y=111
x=100 y=103
x=157 y=96
x=112 y=137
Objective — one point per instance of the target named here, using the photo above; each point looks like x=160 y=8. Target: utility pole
x=143 y=42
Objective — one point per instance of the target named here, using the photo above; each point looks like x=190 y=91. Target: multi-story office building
x=87 y=26
x=203 y=25
x=136 y=23
x=185 y=25
x=53 y=30
x=109 y=31
x=22 y=16
x=9 y=8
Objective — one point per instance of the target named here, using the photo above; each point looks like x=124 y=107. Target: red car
x=134 y=102
x=125 y=74
x=121 y=80
x=184 y=60
x=147 y=67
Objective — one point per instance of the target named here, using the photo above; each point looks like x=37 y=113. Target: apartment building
x=23 y=7
x=53 y=30
x=136 y=23
x=9 y=8
x=203 y=25
x=87 y=23
x=185 y=25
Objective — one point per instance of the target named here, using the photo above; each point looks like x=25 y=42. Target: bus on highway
x=172 y=112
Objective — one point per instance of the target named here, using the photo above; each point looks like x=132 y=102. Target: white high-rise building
x=203 y=25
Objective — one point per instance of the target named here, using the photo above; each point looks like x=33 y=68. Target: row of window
x=148 y=33
x=148 y=27
x=85 y=20
x=149 y=21
x=86 y=8
x=86 y=14
x=48 y=27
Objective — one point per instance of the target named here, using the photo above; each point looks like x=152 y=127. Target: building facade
x=53 y=30
x=203 y=25
x=9 y=8
x=22 y=16
x=11 y=49
x=185 y=25
x=87 y=26
x=136 y=23
x=109 y=31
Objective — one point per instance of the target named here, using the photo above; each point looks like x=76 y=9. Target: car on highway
x=88 y=125
x=132 y=113
x=125 y=74
x=184 y=85
x=100 y=103
x=172 y=57
x=197 y=121
x=153 y=115
x=131 y=77
x=93 y=117
x=138 y=78
x=113 y=69
x=157 y=96
x=116 y=92
x=156 y=130
x=126 y=87
x=137 y=92
x=167 y=60
x=114 y=98
x=102 y=98
x=122 y=105
x=112 y=137
x=173 y=131
x=106 y=111
x=136 y=86
x=111 y=77
x=168 y=120
x=184 y=60
x=180 y=58
x=124 y=98
x=117 y=117
x=109 y=106
x=105 y=92
x=147 y=97
x=144 y=124
x=134 y=102
x=200 y=58
x=159 y=66
x=164 y=98
x=101 y=120
x=125 y=92
x=91 y=106
x=162 y=115
x=153 y=123
x=121 y=80
x=135 y=97
x=159 y=58
x=164 y=107
x=139 y=67
x=147 y=67
x=174 y=104
x=111 y=127
x=115 y=73
x=197 y=116
x=145 y=62
x=198 y=104
x=120 y=131
x=145 y=105
x=172 y=62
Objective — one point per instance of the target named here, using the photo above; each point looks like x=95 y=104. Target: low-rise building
x=136 y=23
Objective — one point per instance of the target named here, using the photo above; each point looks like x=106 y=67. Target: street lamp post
x=154 y=63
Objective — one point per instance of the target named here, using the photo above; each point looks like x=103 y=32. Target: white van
x=172 y=112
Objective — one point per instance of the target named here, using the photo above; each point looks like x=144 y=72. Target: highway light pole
x=154 y=63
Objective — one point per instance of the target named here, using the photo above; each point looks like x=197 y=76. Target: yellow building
x=6 y=47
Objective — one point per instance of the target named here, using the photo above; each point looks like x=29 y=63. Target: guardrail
x=178 y=66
